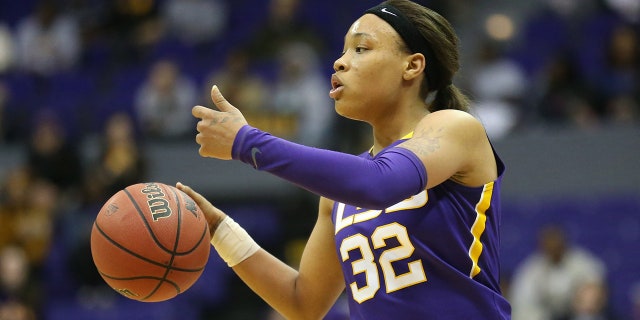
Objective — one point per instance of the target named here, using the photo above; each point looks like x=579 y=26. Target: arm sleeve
x=392 y=176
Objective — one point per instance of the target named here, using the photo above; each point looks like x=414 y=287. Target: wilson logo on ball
x=111 y=209
x=158 y=205
x=191 y=206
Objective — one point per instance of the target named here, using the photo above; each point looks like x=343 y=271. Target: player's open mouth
x=336 y=87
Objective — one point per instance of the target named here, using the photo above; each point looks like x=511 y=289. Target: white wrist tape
x=232 y=242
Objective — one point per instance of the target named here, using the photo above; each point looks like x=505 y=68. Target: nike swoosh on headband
x=387 y=11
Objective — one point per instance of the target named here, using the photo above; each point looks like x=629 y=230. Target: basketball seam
x=139 y=278
x=146 y=223
x=173 y=252
x=142 y=257
x=153 y=236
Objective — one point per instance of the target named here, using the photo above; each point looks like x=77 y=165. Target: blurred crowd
x=84 y=84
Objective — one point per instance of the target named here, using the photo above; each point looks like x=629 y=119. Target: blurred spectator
x=6 y=48
x=283 y=25
x=15 y=310
x=242 y=87
x=624 y=110
x=131 y=28
x=562 y=96
x=27 y=211
x=296 y=95
x=13 y=196
x=550 y=30
x=19 y=296
x=195 y=21
x=90 y=14
x=164 y=101
x=281 y=36
x=33 y=223
x=47 y=41
x=572 y=10
x=628 y=9
x=52 y=157
x=6 y=60
x=498 y=85
x=121 y=161
x=619 y=81
x=545 y=283
x=4 y=96
x=590 y=302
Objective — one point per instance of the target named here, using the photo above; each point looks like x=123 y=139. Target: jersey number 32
x=369 y=266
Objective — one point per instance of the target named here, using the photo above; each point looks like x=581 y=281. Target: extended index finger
x=198 y=198
x=213 y=215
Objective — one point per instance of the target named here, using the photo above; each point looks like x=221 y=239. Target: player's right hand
x=217 y=130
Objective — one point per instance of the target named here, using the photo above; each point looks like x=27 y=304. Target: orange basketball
x=150 y=242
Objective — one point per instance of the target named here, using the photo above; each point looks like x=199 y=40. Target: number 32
x=367 y=263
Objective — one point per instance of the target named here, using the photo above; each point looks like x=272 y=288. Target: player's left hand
x=217 y=129
x=213 y=215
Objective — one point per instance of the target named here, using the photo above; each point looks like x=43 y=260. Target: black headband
x=409 y=34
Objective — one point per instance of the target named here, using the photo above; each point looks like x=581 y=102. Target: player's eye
x=360 y=49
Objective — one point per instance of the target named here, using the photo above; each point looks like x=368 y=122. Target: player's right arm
x=307 y=293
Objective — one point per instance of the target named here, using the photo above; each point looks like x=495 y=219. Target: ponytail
x=450 y=97
x=442 y=55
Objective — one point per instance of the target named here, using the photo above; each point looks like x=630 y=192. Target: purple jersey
x=432 y=256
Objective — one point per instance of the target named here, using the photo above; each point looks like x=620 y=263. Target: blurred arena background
x=96 y=95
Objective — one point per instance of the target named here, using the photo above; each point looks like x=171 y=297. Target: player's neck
x=395 y=128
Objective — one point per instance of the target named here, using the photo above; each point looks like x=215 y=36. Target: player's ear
x=415 y=65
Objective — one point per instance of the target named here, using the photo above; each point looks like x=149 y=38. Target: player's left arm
x=452 y=144
x=310 y=291
x=306 y=293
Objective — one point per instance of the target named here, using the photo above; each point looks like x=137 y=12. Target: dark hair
x=444 y=46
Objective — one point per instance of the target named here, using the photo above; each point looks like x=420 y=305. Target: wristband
x=232 y=242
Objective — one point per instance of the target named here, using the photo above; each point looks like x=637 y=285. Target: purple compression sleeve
x=392 y=176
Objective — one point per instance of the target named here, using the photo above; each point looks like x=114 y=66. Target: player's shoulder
x=453 y=115
x=457 y=120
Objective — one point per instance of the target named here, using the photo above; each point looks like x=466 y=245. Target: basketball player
x=410 y=228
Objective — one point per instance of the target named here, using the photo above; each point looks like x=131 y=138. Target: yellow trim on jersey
x=479 y=226
x=406 y=136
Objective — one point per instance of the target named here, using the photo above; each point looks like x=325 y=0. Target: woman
x=410 y=228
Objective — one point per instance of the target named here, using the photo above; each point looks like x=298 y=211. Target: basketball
x=150 y=242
